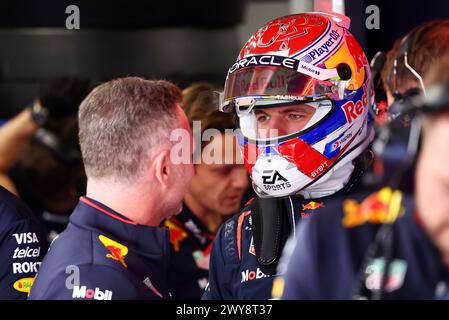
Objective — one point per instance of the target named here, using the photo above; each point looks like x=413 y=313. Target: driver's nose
x=276 y=128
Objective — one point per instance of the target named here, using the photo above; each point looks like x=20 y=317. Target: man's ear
x=162 y=167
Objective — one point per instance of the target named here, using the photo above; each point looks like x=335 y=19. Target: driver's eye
x=262 y=118
x=295 y=116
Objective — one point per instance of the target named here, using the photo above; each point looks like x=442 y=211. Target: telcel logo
x=84 y=293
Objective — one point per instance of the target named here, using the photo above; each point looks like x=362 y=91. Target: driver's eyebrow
x=297 y=109
x=258 y=111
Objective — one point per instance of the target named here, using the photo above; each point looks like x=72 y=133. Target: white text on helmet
x=317 y=52
x=265 y=60
x=352 y=111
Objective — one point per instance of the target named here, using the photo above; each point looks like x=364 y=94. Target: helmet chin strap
x=333 y=181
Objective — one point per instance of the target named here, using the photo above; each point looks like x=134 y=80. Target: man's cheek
x=439 y=201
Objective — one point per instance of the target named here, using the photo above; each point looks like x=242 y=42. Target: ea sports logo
x=272 y=178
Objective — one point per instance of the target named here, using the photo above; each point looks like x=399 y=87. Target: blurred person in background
x=214 y=194
x=403 y=78
x=425 y=46
x=113 y=247
x=22 y=246
x=32 y=146
x=15 y=135
x=389 y=244
x=40 y=156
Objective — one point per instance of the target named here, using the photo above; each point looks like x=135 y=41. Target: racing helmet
x=300 y=90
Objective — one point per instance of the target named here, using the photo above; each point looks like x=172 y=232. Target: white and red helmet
x=311 y=59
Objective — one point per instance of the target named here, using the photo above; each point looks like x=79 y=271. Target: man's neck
x=131 y=201
x=208 y=218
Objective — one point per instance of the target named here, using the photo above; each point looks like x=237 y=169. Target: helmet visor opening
x=275 y=81
x=266 y=120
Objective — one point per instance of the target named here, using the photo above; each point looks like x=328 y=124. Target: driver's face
x=281 y=121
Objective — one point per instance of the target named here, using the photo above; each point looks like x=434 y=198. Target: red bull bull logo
x=383 y=206
x=312 y=205
x=177 y=234
x=117 y=250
